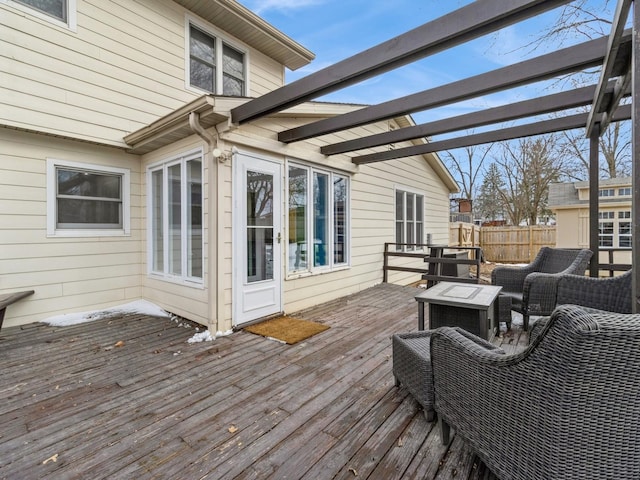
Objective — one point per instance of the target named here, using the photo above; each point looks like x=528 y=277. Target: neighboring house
x=570 y=203
x=123 y=178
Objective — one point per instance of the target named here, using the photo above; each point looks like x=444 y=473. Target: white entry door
x=257 y=247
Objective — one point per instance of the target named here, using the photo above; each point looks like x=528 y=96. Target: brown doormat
x=286 y=329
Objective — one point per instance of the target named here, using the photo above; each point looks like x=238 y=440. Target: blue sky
x=337 y=29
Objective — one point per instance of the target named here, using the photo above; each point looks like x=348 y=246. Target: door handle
x=279 y=237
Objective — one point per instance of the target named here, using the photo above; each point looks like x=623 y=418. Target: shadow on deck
x=74 y=405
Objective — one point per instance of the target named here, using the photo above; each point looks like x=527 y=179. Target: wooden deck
x=75 y=405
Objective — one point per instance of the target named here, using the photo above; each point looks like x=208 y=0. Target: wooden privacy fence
x=515 y=244
x=463 y=234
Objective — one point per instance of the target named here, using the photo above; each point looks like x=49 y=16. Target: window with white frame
x=607 y=192
x=409 y=220
x=57 y=11
x=215 y=66
x=318 y=211
x=176 y=218
x=606 y=228
x=87 y=200
x=624 y=229
x=624 y=192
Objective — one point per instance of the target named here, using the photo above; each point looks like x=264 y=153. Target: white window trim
x=311 y=269
x=414 y=191
x=52 y=203
x=220 y=36
x=164 y=164
x=70 y=24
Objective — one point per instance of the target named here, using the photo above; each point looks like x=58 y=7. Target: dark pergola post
x=594 y=199
x=635 y=156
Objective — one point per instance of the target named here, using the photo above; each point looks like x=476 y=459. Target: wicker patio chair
x=532 y=288
x=567 y=407
x=609 y=294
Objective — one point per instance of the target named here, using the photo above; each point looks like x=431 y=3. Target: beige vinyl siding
x=67 y=274
x=192 y=302
x=121 y=70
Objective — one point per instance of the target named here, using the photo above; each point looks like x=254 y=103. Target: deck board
x=240 y=407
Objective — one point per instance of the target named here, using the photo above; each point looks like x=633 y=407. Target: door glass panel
x=259 y=226
x=175 y=221
x=320 y=219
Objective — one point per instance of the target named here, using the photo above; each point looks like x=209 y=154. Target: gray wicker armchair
x=532 y=288
x=566 y=407
x=609 y=294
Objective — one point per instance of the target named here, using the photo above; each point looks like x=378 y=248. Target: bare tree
x=584 y=20
x=615 y=152
x=468 y=167
x=581 y=19
x=528 y=166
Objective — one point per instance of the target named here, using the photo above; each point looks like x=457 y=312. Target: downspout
x=214 y=263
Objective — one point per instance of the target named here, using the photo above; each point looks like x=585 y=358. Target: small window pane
x=411 y=198
x=194 y=218
x=399 y=234
x=202 y=61
x=202 y=46
x=233 y=62
x=410 y=235
x=339 y=219
x=297 y=218
x=75 y=213
x=55 y=8
x=175 y=220
x=399 y=205
x=232 y=86
x=419 y=208
x=419 y=233
x=320 y=218
x=157 y=223
x=202 y=76
x=87 y=184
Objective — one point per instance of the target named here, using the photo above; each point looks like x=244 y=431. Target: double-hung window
x=176 y=218
x=86 y=200
x=624 y=229
x=409 y=220
x=215 y=66
x=605 y=229
x=318 y=219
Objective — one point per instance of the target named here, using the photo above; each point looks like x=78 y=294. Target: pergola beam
x=469 y=22
x=635 y=162
x=536 y=106
x=521 y=131
x=613 y=46
x=567 y=60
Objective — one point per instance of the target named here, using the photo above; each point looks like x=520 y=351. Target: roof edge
x=268 y=29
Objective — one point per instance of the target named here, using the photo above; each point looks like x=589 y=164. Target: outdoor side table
x=412 y=367
x=472 y=307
